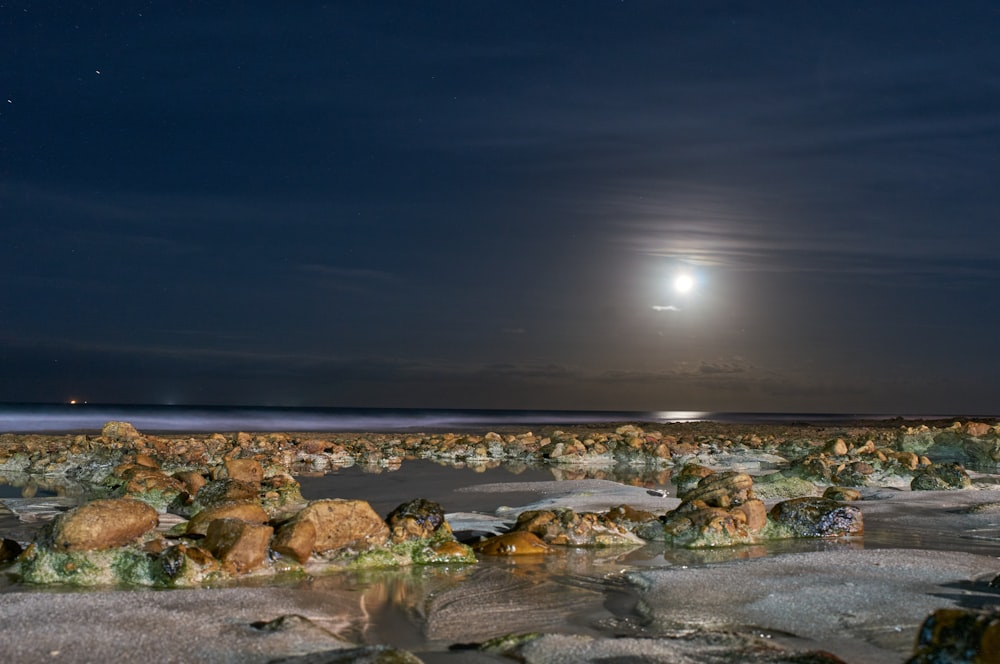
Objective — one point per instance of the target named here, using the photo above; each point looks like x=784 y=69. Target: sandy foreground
x=860 y=600
x=862 y=605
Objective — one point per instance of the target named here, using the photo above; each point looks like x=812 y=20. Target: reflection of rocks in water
x=501 y=600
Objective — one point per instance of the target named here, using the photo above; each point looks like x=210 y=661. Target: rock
x=9 y=550
x=296 y=540
x=191 y=480
x=754 y=514
x=721 y=489
x=146 y=460
x=101 y=524
x=247 y=511
x=186 y=565
x=836 y=447
x=568 y=528
x=628 y=517
x=978 y=429
x=141 y=481
x=239 y=544
x=958 y=636
x=416 y=519
x=517 y=543
x=689 y=475
x=246 y=470
x=226 y=491
x=120 y=432
x=941 y=477
x=818 y=517
x=334 y=525
x=841 y=494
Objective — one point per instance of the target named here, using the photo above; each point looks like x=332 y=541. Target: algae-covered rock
x=100 y=524
x=818 y=517
x=941 y=477
x=783 y=484
x=416 y=519
x=225 y=491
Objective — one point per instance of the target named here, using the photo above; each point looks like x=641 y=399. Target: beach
x=860 y=598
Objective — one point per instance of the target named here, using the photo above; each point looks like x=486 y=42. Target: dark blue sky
x=484 y=204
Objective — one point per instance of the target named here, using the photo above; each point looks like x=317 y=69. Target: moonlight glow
x=683 y=283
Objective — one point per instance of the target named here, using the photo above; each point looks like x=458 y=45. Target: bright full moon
x=683 y=283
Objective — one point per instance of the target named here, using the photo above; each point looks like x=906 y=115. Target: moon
x=683 y=283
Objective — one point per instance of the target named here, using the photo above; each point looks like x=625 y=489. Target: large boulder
x=326 y=526
x=101 y=524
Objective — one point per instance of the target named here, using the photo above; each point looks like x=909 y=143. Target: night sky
x=487 y=204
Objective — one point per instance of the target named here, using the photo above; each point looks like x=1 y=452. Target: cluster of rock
x=720 y=509
x=244 y=520
x=235 y=507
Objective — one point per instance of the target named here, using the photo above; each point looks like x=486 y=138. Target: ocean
x=56 y=418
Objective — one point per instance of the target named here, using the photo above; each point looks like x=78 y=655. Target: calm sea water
x=25 y=418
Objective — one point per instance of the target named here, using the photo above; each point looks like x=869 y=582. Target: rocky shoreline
x=208 y=509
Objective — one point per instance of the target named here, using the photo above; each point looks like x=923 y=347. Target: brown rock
x=247 y=511
x=237 y=543
x=908 y=459
x=246 y=470
x=627 y=515
x=191 y=480
x=146 y=460
x=689 y=475
x=120 y=432
x=517 y=543
x=755 y=513
x=836 y=447
x=841 y=494
x=340 y=524
x=977 y=429
x=722 y=489
x=141 y=479
x=102 y=524
x=226 y=491
x=296 y=539
x=416 y=519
